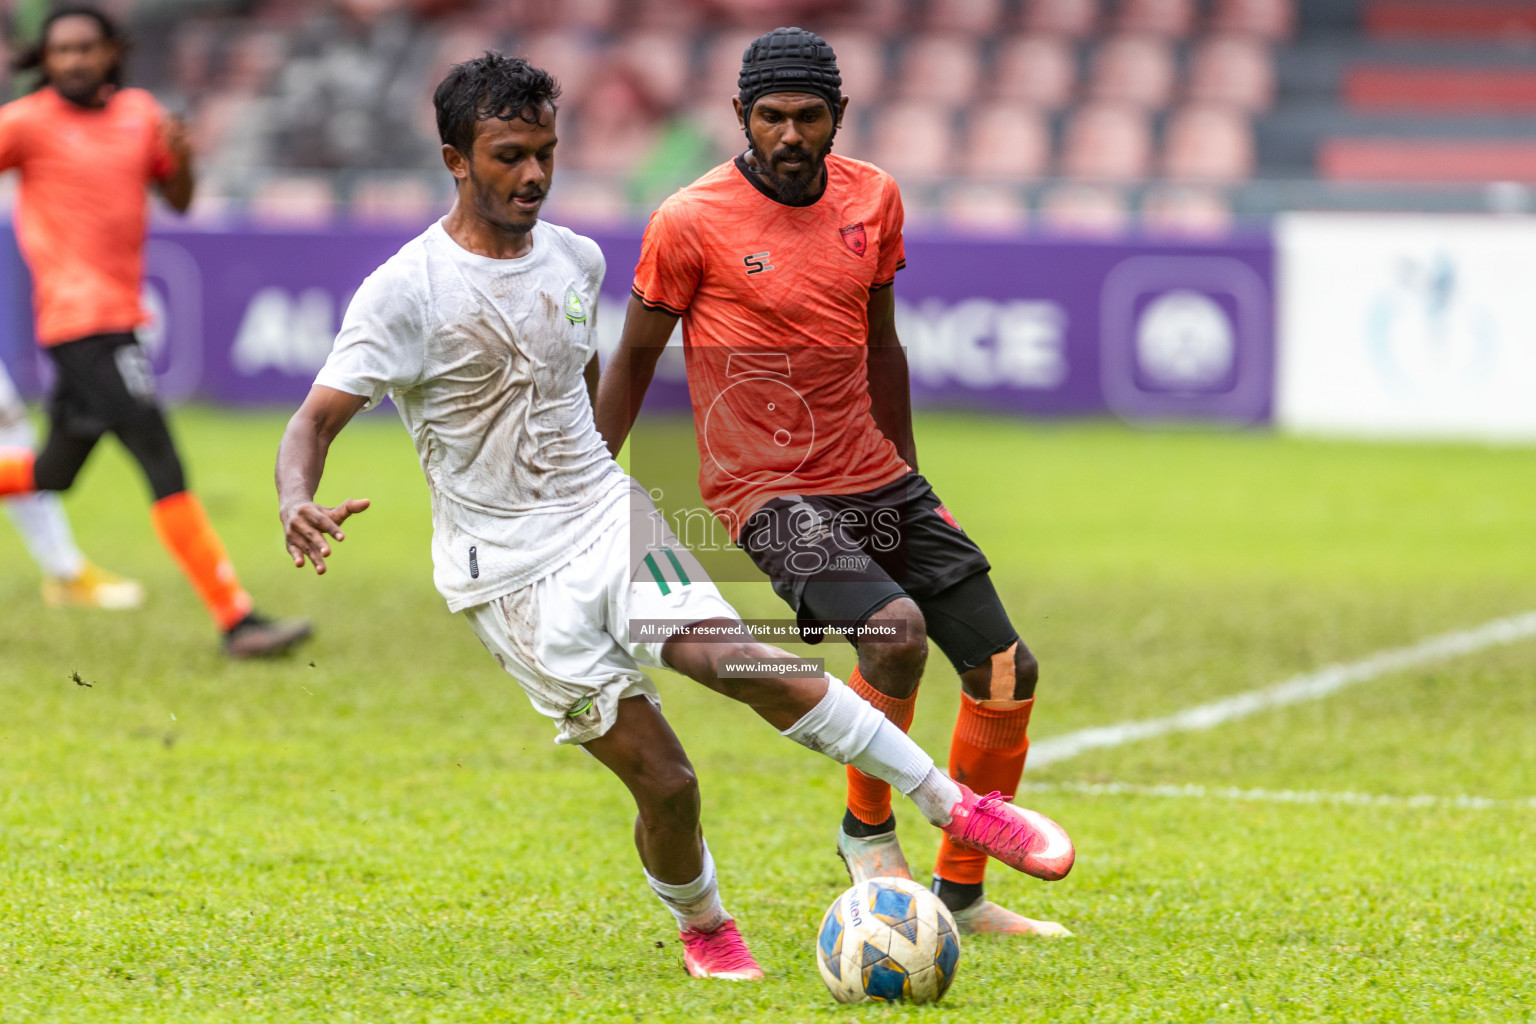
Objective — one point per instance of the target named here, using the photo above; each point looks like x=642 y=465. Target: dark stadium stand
x=1087 y=115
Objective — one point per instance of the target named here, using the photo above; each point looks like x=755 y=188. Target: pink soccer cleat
x=1023 y=839
x=722 y=953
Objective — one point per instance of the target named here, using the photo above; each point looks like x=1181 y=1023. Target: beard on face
x=80 y=90
x=792 y=188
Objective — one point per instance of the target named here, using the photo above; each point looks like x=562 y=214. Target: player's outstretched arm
x=300 y=463
x=177 y=187
x=627 y=376
x=890 y=387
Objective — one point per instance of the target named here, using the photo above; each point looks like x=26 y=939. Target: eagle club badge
x=853 y=238
x=574 y=311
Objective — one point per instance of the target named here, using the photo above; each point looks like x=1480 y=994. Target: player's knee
x=893 y=654
x=1026 y=673
x=670 y=798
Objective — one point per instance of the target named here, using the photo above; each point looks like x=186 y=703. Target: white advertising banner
x=1407 y=326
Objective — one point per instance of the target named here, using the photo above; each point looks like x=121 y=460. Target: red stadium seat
x=1448 y=89
x=569 y=56
x=399 y=199
x=1172 y=19
x=254 y=58
x=1208 y=143
x=976 y=17
x=669 y=15
x=942 y=68
x=722 y=63
x=296 y=200
x=218 y=117
x=1460 y=19
x=716 y=120
x=1138 y=70
x=1083 y=209
x=877 y=16
x=1107 y=142
x=913 y=140
x=1234 y=70
x=1071 y=18
x=1428 y=160
x=582 y=200
x=861 y=62
x=192 y=54
x=1041 y=70
x=981 y=208
x=1273 y=20
x=1006 y=140
x=616 y=125
x=1185 y=211
x=660 y=61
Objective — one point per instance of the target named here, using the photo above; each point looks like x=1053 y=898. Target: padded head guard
x=789 y=60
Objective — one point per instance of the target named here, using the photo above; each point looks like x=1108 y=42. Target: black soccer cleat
x=257 y=636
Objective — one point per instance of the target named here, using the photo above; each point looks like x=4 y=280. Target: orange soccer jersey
x=776 y=329
x=82 y=210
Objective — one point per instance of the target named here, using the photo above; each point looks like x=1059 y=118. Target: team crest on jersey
x=575 y=312
x=853 y=238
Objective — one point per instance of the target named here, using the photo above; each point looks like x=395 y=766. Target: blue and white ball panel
x=888 y=939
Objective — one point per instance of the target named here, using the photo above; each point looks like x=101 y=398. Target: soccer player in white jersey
x=69 y=579
x=481 y=331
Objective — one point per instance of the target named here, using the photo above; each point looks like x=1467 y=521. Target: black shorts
x=105 y=383
x=836 y=559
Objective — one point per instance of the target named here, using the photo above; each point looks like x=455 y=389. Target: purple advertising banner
x=1036 y=326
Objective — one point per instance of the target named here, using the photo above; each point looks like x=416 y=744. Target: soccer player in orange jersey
x=88 y=150
x=780 y=264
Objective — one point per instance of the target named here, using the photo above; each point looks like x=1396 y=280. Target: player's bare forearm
x=890 y=384
x=627 y=377
x=300 y=464
x=177 y=188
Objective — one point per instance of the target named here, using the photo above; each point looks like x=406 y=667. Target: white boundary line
x=1312 y=686
x=1282 y=796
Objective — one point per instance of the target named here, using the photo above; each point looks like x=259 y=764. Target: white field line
x=1312 y=686
x=1282 y=796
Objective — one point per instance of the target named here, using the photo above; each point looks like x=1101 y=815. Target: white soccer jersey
x=483 y=357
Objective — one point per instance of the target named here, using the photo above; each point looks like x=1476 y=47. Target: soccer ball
x=888 y=939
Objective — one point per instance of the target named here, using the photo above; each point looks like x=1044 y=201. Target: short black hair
x=31 y=58
x=508 y=88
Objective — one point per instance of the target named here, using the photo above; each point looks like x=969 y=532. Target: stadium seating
x=975 y=105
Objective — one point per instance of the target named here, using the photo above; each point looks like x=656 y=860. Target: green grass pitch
x=380 y=830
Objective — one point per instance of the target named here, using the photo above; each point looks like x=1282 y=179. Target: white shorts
x=566 y=637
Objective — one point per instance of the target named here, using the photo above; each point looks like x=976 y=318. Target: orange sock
x=869 y=798
x=986 y=753
x=187 y=534
x=16 y=471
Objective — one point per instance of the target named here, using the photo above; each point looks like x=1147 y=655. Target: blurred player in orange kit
x=88 y=149
x=780 y=264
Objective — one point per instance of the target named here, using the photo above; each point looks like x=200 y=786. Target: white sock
x=695 y=904
x=935 y=795
x=847 y=729
x=43 y=526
